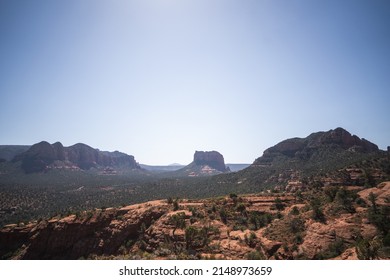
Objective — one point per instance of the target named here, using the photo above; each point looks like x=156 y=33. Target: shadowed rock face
x=344 y=139
x=41 y=155
x=72 y=237
x=338 y=138
x=37 y=157
x=212 y=159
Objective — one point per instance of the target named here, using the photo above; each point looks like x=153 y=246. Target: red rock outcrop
x=381 y=192
x=344 y=139
x=337 y=137
x=73 y=237
x=252 y=227
x=41 y=155
x=320 y=236
x=212 y=159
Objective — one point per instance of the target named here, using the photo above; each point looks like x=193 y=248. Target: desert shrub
x=379 y=215
x=298 y=196
x=294 y=211
x=232 y=195
x=317 y=184
x=89 y=215
x=380 y=218
x=369 y=180
x=317 y=214
x=361 y=202
x=223 y=214
x=331 y=192
x=344 y=200
x=241 y=220
x=256 y=220
x=256 y=255
x=241 y=207
x=178 y=221
x=386 y=240
x=234 y=198
x=129 y=243
x=296 y=225
x=196 y=213
x=334 y=249
x=278 y=204
x=251 y=240
x=175 y=205
x=190 y=236
x=198 y=237
x=368 y=249
x=298 y=239
x=163 y=252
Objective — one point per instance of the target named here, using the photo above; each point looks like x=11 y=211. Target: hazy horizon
x=162 y=79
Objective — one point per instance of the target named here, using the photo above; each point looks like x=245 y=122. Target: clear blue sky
x=161 y=79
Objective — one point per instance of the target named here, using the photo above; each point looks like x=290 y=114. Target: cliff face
x=204 y=164
x=43 y=154
x=303 y=148
x=98 y=232
x=343 y=138
x=212 y=159
x=37 y=157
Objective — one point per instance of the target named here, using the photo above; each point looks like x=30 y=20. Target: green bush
x=334 y=249
x=296 y=225
x=175 y=205
x=223 y=214
x=278 y=204
x=317 y=214
x=368 y=249
x=294 y=211
x=379 y=215
x=241 y=207
x=256 y=255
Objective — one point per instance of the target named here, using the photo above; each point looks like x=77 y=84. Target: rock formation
x=98 y=232
x=204 y=164
x=263 y=226
x=213 y=159
x=42 y=155
x=333 y=140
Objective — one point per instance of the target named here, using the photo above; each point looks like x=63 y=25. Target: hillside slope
x=341 y=223
x=325 y=158
x=8 y=152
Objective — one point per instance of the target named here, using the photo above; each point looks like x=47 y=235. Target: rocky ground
x=331 y=223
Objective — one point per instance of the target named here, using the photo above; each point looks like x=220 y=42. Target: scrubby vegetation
x=312 y=225
x=26 y=197
x=310 y=202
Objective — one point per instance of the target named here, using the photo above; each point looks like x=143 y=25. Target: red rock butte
x=213 y=159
